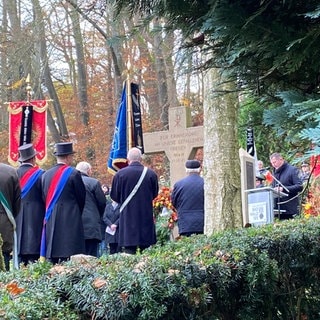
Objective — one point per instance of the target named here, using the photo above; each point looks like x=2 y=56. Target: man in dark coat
x=30 y=218
x=93 y=209
x=289 y=183
x=64 y=228
x=10 y=189
x=188 y=199
x=136 y=224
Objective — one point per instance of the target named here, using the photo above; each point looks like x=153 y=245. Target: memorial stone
x=179 y=143
x=248 y=178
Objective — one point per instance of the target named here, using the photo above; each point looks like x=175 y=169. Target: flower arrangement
x=162 y=200
x=311 y=205
x=165 y=214
x=268 y=177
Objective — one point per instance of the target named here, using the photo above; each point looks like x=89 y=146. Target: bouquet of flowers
x=311 y=204
x=165 y=214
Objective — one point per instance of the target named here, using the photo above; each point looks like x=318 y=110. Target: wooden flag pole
x=28 y=88
x=129 y=108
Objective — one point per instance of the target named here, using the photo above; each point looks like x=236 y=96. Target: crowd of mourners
x=63 y=211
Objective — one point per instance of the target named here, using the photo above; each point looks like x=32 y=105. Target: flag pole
x=129 y=108
x=28 y=88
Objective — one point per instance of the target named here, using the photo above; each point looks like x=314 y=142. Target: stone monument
x=179 y=143
x=248 y=178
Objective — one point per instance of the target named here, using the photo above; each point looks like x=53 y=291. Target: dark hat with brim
x=192 y=164
x=63 y=149
x=26 y=152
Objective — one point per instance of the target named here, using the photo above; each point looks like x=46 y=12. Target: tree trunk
x=46 y=72
x=221 y=155
x=81 y=68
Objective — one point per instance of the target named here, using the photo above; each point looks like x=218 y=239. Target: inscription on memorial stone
x=178 y=143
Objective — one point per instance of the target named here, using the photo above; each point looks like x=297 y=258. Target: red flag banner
x=27 y=124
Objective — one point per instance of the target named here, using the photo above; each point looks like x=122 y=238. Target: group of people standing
x=57 y=213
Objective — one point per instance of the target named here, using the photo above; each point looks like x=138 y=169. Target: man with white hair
x=136 y=223
x=188 y=199
x=93 y=209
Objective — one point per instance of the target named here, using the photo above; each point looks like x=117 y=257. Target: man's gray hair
x=134 y=154
x=193 y=170
x=83 y=167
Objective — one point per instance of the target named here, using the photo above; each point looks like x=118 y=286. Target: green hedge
x=270 y=272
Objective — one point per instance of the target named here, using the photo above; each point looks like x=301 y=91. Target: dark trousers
x=92 y=247
x=28 y=258
x=113 y=248
x=189 y=234
x=133 y=249
x=6 y=258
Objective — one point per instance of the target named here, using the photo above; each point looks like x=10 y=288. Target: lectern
x=261 y=205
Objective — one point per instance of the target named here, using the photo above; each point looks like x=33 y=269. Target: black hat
x=192 y=164
x=26 y=152
x=63 y=149
x=304 y=164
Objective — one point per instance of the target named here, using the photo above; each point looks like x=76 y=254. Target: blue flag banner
x=128 y=128
x=118 y=152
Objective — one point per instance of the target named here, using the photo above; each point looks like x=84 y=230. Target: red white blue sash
x=29 y=179
x=57 y=184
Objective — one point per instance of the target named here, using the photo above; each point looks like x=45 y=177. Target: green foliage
x=291 y=119
x=269 y=47
x=251 y=115
x=162 y=230
x=39 y=300
x=269 y=272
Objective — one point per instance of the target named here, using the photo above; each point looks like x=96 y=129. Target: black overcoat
x=136 y=224
x=94 y=208
x=30 y=218
x=10 y=187
x=288 y=175
x=64 y=232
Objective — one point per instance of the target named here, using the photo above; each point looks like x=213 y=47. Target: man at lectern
x=286 y=180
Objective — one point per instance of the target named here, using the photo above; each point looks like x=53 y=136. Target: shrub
x=269 y=272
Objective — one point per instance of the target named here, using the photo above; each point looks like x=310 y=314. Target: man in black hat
x=188 y=199
x=30 y=218
x=64 y=193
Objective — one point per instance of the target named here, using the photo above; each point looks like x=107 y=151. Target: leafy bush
x=269 y=272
